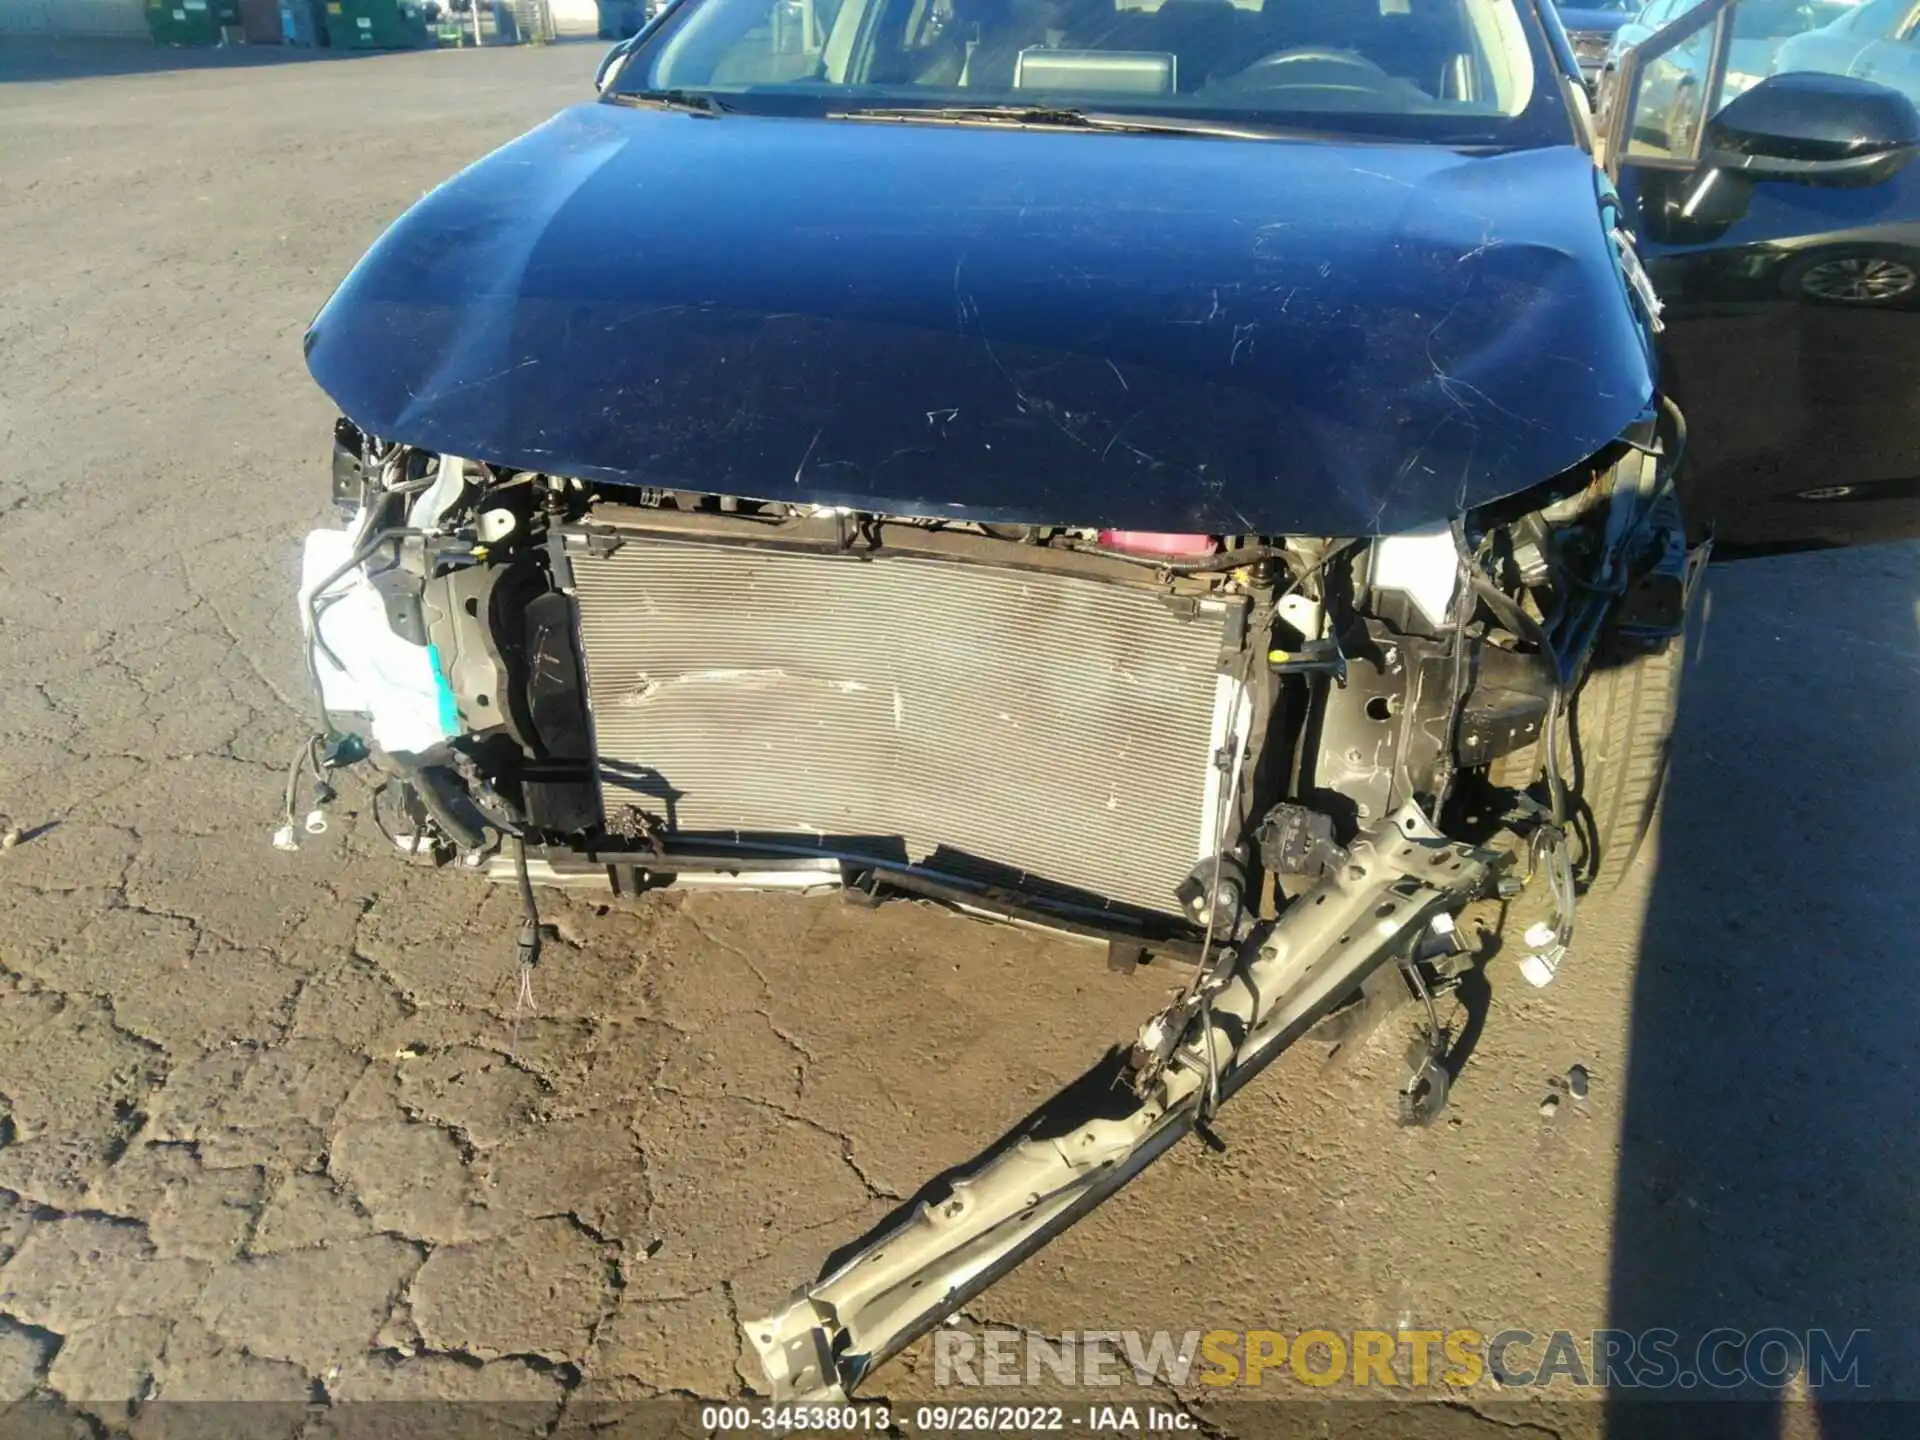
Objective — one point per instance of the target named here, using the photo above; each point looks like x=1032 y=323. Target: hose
x=1225 y=560
x=362 y=547
x=526 y=945
x=301 y=760
x=1679 y=429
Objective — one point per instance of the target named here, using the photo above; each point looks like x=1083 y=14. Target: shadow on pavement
x=1770 y=1158
x=73 y=57
x=64 y=57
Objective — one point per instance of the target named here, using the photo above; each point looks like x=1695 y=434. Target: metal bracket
x=1311 y=657
x=960 y=1235
x=597 y=543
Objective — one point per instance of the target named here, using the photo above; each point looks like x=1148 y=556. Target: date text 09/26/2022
x=944 y=1419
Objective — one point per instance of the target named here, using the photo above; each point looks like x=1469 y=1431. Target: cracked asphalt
x=269 y=1129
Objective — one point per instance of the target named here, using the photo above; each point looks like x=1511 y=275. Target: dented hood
x=1146 y=332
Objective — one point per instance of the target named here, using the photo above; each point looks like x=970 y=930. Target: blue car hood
x=1164 y=333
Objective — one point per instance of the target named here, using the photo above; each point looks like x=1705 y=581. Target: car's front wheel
x=1615 y=744
x=1863 y=277
x=1619 y=743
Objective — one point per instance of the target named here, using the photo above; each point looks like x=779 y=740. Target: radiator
x=1044 y=731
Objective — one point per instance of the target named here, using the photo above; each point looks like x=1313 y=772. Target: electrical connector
x=1539 y=967
x=316 y=822
x=338 y=750
x=284 y=839
x=1539 y=970
x=526 y=945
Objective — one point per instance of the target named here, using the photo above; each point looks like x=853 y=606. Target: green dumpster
x=378 y=25
x=185 y=22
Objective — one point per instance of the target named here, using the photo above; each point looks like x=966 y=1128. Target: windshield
x=1452 y=70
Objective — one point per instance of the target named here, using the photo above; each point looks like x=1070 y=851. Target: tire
x=1615 y=745
x=1864 y=278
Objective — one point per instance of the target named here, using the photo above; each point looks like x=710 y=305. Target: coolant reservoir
x=1155 y=542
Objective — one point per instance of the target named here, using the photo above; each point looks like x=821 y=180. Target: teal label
x=449 y=713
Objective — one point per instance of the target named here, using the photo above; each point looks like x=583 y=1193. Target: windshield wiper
x=1053 y=117
x=686 y=102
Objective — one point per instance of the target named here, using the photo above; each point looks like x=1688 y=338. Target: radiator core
x=1041 y=730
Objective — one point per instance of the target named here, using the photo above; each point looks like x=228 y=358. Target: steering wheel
x=1312 y=67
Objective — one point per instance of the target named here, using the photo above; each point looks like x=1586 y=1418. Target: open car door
x=1776 y=206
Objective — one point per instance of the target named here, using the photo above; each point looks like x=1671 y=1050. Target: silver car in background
x=1876 y=41
x=1668 y=109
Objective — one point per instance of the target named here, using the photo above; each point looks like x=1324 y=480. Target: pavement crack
x=239 y=648
x=470 y=1150
x=765 y=1012
x=845 y=1141
x=1469 y=1408
x=739 y=1326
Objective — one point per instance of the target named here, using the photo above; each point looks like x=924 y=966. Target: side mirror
x=1816 y=128
x=651 y=13
x=609 y=66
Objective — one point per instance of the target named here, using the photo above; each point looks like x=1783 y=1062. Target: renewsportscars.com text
x=1455 y=1359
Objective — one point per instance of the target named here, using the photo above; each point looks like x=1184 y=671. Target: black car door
x=1779 y=217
